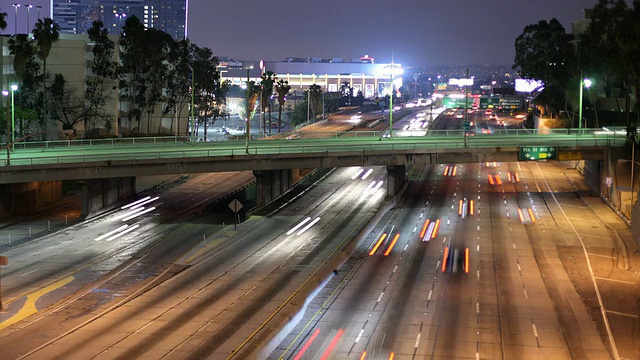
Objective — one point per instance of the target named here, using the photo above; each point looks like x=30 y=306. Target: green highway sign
x=538 y=153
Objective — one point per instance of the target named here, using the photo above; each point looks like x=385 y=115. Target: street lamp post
x=15 y=24
x=29 y=7
x=14 y=87
x=120 y=16
x=38 y=7
x=5 y=93
x=583 y=83
x=192 y=104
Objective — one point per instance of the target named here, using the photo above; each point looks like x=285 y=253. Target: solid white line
x=535 y=331
x=620 y=281
x=586 y=255
x=359 y=335
x=430 y=292
x=30 y=272
x=418 y=340
x=623 y=314
x=380 y=297
x=394 y=269
x=405 y=247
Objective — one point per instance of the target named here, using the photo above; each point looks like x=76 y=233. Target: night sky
x=416 y=32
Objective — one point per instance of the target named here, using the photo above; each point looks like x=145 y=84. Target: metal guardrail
x=283 y=147
x=132 y=141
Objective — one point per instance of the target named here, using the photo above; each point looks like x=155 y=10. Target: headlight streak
x=139 y=213
x=145 y=203
x=130 y=213
x=355 y=176
x=111 y=232
x=130 y=229
x=377 y=187
x=135 y=202
x=295 y=228
x=308 y=226
x=377 y=245
x=366 y=175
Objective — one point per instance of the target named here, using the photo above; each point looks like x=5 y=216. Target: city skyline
x=415 y=34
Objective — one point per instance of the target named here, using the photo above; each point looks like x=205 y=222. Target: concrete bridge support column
x=98 y=194
x=270 y=184
x=396 y=177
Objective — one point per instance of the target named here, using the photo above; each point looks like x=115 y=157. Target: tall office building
x=76 y=16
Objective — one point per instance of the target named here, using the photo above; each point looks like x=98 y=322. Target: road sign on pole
x=235 y=206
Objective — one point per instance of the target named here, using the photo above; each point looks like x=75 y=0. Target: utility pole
x=248 y=114
x=466 y=111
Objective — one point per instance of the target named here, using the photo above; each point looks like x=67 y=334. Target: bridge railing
x=100 y=142
x=237 y=150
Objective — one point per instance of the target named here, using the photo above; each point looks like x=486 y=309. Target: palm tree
x=282 y=88
x=22 y=50
x=253 y=90
x=3 y=20
x=315 y=93
x=45 y=33
x=266 y=86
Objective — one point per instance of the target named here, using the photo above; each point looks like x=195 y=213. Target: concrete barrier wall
x=28 y=198
x=99 y=195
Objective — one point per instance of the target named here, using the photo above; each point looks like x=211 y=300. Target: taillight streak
x=533 y=218
x=393 y=243
x=455 y=170
x=491 y=179
x=466 y=260
x=307 y=344
x=444 y=258
x=424 y=228
x=435 y=230
x=332 y=345
x=377 y=245
x=471 y=211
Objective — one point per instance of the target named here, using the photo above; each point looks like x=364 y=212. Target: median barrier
x=266 y=339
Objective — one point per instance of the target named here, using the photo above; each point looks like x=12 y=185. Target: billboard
x=528 y=85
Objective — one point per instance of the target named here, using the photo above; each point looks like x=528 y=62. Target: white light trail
x=130 y=213
x=366 y=175
x=135 y=202
x=308 y=226
x=124 y=232
x=357 y=174
x=138 y=214
x=111 y=232
x=298 y=226
x=145 y=202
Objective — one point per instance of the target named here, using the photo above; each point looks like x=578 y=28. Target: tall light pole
x=14 y=87
x=120 y=16
x=15 y=25
x=29 y=7
x=38 y=7
x=391 y=103
x=583 y=83
x=192 y=104
x=5 y=93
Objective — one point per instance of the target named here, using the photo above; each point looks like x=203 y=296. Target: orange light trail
x=446 y=170
x=393 y=243
x=491 y=179
x=392 y=355
x=517 y=178
x=424 y=228
x=332 y=345
x=460 y=207
x=455 y=170
x=435 y=229
x=375 y=248
x=509 y=176
x=471 y=207
x=466 y=260
x=363 y=356
x=533 y=218
x=520 y=214
x=498 y=181
x=444 y=258
x=307 y=344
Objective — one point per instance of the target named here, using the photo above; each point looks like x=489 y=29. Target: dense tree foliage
x=282 y=89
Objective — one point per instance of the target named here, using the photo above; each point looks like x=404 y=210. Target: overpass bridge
x=271 y=160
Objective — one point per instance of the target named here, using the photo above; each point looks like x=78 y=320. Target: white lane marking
x=380 y=297
x=478 y=273
x=619 y=281
x=430 y=292
x=405 y=247
x=477 y=356
x=418 y=340
x=477 y=308
x=478 y=197
x=438 y=265
x=478 y=227
x=526 y=296
x=394 y=269
x=477 y=247
x=359 y=335
x=514 y=245
x=448 y=222
x=452 y=206
x=415 y=228
x=535 y=331
x=519 y=268
x=30 y=272
x=623 y=314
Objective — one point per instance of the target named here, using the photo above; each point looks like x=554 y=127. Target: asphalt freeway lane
x=515 y=301
x=214 y=305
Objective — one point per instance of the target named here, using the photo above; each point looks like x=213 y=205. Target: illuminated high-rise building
x=76 y=16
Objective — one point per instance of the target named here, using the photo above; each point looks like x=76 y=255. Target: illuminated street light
x=583 y=83
x=14 y=87
x=15 y=25
x=29 y=7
